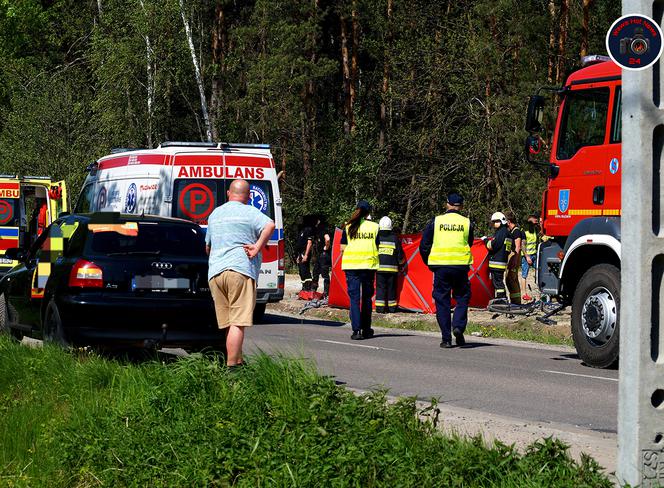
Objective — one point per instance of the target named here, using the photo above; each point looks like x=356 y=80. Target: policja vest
x=450 y=241
x=531 y=243
x=388 y=258
x=500 y=254
x=361 y=252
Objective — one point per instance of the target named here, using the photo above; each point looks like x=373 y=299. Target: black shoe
x=367 y=333
x=458 y=335
x=381 y=310
x=357 y=335
x=446 y=344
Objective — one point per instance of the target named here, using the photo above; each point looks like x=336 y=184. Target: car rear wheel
x=595 y=316
x=54 y=331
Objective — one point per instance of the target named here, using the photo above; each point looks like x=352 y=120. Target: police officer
x=445 y=248
x=500 y=247
x=390 y=258
x=359 y=261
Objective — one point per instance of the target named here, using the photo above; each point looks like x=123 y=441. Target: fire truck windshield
x=584 y=121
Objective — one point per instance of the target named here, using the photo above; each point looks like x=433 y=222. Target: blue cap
x=454 y=199
x=363 y=205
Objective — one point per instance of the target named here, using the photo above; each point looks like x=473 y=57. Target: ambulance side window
x=84 y=203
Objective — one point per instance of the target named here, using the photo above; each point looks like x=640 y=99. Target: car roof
x=117 y=217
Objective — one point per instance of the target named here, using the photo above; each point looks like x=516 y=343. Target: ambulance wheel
x=259 y=313
x=595 y=316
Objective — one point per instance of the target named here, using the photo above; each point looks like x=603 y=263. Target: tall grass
x=79 y=420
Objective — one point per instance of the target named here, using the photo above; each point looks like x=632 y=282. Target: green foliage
x=79 y=421
x=451 y=80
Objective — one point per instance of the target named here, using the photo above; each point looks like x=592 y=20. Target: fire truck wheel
x=53 y=330
x=595 y=316
x=259 y=312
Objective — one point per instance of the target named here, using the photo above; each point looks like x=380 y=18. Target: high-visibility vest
x=361 y=252
x=450 y=241
x=531 y=243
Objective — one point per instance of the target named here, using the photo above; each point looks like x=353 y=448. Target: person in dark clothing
x=500 y=247
x=513 y=263
x=390 y=259
x=359 y=261
x=445 y=248
x=323 y=251
x=303 y=248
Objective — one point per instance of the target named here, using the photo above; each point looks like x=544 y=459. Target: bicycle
x=542 y=305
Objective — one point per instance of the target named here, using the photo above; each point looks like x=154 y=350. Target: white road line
x=357 y=345
x=581 y=375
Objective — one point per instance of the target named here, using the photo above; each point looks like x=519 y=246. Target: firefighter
x=323 y=247
x=514 y=260
x=529 y=251
x=445 y=248
x=303 y=247
x=359 y=261
x=390 y=259
x=500 y=247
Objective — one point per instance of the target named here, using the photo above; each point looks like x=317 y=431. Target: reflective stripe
x=392 y=304
x=388 y=268
x=361 y=252
x=388 y=244
x=450 y=241
x=497 y=265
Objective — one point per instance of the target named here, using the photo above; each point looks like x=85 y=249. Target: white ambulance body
x=189 y=180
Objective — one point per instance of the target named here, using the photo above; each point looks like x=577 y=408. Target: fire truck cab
x=28 y=205
x=579 y=262
x=189 y=180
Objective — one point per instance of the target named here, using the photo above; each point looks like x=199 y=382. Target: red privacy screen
x=414 y=287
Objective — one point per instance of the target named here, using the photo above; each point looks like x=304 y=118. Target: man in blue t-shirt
x=236 y=234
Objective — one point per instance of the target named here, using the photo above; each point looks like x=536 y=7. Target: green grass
x=80 y=420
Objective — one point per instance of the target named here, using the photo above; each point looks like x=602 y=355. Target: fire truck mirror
x=533 y=147
x=535 y=114
x=15 y=254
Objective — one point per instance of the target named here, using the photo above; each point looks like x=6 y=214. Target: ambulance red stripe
x=9 y=186
x=132 y=159
x=248 y=161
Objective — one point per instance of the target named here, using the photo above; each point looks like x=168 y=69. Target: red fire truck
x=579 y=264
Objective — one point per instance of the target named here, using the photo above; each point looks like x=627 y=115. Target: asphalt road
x=533 y=383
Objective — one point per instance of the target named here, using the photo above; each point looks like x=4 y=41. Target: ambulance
x=28 y=205
x=189 y=180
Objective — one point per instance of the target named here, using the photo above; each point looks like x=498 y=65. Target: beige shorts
x=234 y=296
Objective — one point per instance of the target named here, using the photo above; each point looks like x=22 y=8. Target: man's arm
x=427 y=242
x=471 y=235
x=307 y=251
x=252 y=250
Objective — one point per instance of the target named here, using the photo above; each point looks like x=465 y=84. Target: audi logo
x=162 y=265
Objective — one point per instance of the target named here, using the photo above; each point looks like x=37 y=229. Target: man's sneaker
x=526 y=297
x=367 y=333
x=357 y=335
x=446 y=344
x=458 y=335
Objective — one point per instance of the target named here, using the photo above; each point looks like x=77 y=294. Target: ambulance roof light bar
x=36 y=177
x=593 y=59
x=13 y=177
x=214 y=145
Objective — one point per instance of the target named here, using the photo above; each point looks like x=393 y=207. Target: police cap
x=454 y=199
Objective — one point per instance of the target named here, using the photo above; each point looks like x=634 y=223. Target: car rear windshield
x=146 y=238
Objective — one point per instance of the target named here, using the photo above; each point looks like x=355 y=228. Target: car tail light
x=281 y=263
x=85 y=274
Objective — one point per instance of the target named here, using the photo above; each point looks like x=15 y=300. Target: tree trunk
x=345 y=62
x=585 y=27
x=562 y=40
x=354 y=64
x=309 y=116
x=409 y=204
x=386 y=78
x=197 y=72
x=219 y=41
x=552 y=39
x=150 y=68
